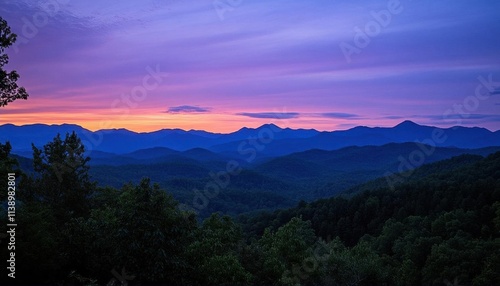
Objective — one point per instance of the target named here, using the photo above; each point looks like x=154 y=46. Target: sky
x=219 y=65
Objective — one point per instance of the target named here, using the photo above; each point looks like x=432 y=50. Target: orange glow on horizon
x=217 y=123
x=50 y=111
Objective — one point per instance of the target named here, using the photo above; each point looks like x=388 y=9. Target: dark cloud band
x=188 y=109
x=272 y=115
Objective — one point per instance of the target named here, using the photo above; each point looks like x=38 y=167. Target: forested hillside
x=438 y=225
x=267 y=183
x=232 y=142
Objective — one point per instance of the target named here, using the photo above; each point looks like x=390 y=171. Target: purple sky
x=230 y=63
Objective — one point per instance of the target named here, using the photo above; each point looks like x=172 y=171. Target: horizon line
x=450 y=126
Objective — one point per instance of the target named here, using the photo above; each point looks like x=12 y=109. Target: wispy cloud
x=339 y=115
x=188 y=109
x=393 y=117
x=257 y=63
x=465 y=116
x=272 y=115
x=495 y=92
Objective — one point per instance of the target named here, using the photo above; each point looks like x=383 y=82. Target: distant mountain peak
x=269 y=125
x=285 y=140
x=407 y=123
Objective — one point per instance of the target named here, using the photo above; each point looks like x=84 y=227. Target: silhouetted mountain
x=278 y=182
x=266 y=141
x=155 y=155
x=111 y=159
x=21 y=137
x=449 y=165
x=407 y=131
x=428 y=200
x=151 y=153
x=201 y=154
x=326 y=173
x=304 y=175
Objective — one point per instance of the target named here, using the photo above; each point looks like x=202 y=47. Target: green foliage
x=142 y=232
x=461 y=260
x=37 y=245
x=353 y=266
x=62 y=179
x=7 y=165
x=9 y=90
x=215 y=253
x=224 y=270
x=440 y=229
x=284 y=250
x=496 y=220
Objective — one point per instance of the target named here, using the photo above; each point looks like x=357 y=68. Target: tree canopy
x=9 y=89
x=440 y=229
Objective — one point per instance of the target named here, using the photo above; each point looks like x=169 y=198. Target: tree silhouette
x=7 y=165
x=9 y=90
x=63 y=181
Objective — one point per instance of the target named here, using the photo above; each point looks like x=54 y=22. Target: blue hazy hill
x=268 y=140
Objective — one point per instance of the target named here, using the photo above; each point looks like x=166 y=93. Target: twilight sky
x=224 y=64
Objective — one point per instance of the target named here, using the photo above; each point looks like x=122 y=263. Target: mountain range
x=279 y=166
x=267 y=140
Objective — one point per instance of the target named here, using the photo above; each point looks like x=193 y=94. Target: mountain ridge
x=268 y=139
x=307 y=175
